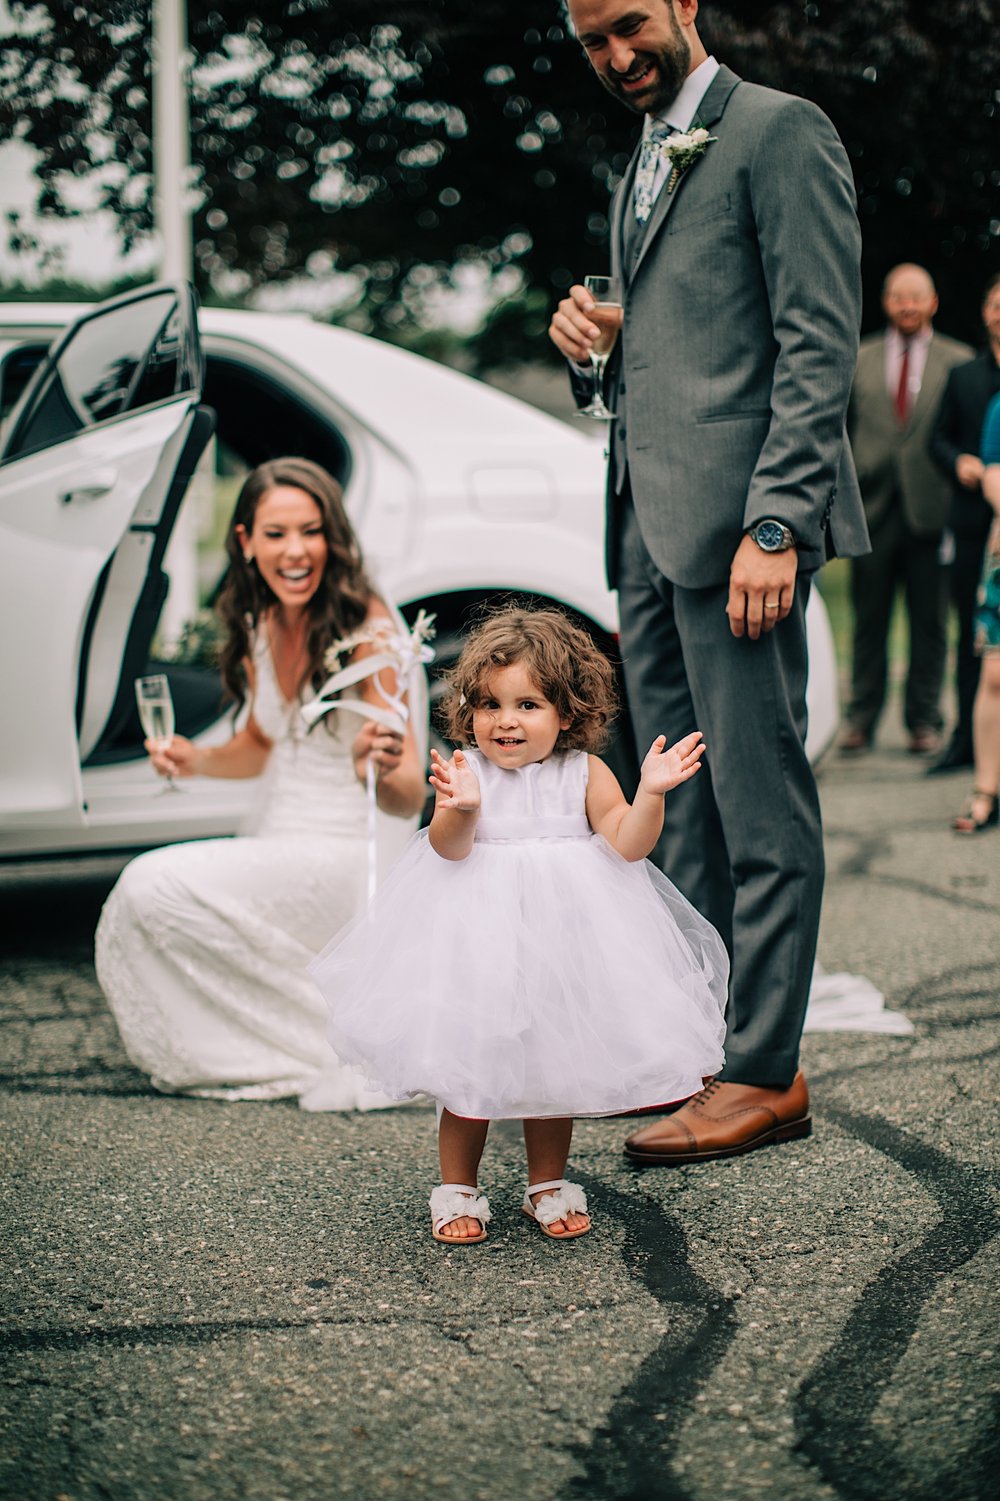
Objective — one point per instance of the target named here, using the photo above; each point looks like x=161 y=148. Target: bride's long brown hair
x=341 y=601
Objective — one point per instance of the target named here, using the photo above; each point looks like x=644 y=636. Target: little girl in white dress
x=524 y=959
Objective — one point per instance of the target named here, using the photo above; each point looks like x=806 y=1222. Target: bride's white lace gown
x=202 y=948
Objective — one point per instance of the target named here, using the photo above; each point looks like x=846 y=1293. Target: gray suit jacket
x=740 y=340
x=892 y=460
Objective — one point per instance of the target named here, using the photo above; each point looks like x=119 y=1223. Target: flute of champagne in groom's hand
x=607 y=314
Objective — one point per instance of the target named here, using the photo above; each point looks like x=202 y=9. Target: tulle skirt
x=534 y=978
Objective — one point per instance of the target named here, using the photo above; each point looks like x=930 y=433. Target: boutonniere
x=682 y=151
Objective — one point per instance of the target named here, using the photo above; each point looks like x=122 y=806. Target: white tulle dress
x=543 y=975
x=202 y=948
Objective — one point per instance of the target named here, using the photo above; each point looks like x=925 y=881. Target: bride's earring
x=248 y=557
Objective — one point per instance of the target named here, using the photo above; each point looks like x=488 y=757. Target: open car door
x=99 y=453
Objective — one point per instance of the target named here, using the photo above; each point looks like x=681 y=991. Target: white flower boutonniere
x=683 y=150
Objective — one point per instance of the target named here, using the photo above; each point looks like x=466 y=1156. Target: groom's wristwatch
x=772 y=536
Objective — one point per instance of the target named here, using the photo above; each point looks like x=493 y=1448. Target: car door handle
x=103 y=481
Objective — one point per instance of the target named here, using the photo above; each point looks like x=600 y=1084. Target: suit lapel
x=710 y=111
x=619 y=203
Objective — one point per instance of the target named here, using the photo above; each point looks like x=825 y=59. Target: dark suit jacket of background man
x=958 y=429
x=741 y=315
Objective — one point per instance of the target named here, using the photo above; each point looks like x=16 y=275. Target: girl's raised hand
x=662 y=770
x=455 y=783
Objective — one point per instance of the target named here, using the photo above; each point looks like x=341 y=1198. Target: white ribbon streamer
x=403 y=651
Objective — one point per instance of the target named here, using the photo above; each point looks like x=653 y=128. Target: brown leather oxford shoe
x=724 y=1120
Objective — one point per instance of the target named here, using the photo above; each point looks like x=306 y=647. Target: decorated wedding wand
x=396 y=648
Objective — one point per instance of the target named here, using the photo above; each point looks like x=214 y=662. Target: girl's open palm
x=662 y=770
x=455 y=783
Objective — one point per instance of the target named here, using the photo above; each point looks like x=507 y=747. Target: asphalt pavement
x=208 y=1301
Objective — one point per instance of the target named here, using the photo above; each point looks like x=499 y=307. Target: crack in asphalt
x=204 y=1332
x=867 y=848
x=628 y=1458
x=628 y=1455
x=834 y=1405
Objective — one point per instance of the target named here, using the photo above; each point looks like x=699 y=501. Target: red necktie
x=903 y=389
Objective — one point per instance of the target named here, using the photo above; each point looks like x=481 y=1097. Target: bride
x=202 y=948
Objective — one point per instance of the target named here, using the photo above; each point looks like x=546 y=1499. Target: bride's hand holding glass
x=176 y=757
x=172 y=755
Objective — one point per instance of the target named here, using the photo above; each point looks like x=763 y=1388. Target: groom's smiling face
x=638 y=50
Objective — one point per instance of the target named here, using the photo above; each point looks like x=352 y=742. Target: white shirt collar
x=681 y=111
x=920 y=340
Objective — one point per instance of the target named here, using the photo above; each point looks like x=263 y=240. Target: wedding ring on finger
x=769 y=606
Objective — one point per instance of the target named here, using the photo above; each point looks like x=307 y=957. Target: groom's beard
x=666 y=70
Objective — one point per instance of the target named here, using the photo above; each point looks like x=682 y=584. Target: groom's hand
x=572 y=330
x=761 y=588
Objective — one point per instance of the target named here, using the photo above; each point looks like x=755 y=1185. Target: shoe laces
x=705 y=1093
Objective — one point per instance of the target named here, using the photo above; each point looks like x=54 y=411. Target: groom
x=729 y=484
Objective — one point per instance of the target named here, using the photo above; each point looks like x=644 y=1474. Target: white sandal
x=568 y=1198
x=455 y=1201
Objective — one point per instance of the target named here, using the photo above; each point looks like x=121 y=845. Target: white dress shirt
x=680 y=113
x=919 y=346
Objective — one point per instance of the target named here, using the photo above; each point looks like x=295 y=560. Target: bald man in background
x=900 y=377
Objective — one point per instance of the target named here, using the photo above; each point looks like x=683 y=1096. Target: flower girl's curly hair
x=562 y=659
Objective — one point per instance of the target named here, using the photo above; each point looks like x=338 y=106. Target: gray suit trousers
x=743 y=839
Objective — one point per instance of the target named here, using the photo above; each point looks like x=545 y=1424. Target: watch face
x=769 y=535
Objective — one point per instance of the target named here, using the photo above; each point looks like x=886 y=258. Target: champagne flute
x=156 y=711
x=607 y=314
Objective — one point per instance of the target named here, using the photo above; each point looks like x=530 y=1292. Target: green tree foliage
x=404 y=139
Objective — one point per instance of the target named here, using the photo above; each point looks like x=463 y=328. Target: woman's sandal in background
x=966 y=823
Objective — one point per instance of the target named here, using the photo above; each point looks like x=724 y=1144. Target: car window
x=117 y=361
x=17 y=367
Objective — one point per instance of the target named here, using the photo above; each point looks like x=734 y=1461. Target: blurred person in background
x=900 y=376
x=955 y=448
x=981 y=810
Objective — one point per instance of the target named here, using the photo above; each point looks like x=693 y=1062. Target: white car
x=123 y=437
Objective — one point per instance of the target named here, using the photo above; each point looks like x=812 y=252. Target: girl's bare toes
x=463 y=1228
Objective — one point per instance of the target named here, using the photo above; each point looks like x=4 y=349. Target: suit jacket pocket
x=746 y=414
x=683 y=219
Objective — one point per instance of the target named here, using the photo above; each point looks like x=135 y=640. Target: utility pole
x=171 y=138
x=172 y=217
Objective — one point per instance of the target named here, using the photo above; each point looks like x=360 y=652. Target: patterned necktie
x=645 y=172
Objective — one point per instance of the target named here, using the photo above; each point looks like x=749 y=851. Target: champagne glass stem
x=168 y=783
x=598 y=361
